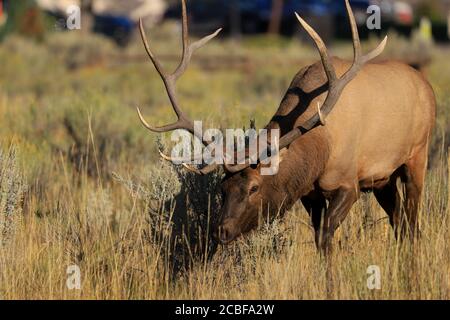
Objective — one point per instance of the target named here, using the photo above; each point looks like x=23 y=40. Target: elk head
x=246 y=192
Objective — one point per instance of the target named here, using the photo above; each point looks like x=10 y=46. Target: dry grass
x=135 y=232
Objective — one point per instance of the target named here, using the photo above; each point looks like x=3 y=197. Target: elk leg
x=390 y=199
x=340 y=205
x=414 y=181
x=316 y=207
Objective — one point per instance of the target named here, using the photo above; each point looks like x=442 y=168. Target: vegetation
x=27 y=19
x=81 y=182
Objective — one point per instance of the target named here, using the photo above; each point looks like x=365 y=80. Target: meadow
x=81 y=182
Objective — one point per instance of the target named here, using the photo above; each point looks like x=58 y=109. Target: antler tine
x=185 y=27
x=355 y=34
x=321 y=117
x=204 y=171
x=359 y=60
x=150 y=54
x=376 y=52
x=189 y=49
x=180 y=124
x=197 y=157
x=327 y=64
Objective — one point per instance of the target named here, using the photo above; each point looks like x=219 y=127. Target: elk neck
x=300 y=167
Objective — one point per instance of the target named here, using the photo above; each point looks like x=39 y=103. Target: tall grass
x=12 y=188
x=98 y=197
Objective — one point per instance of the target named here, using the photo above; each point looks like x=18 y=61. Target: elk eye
x=253 y=189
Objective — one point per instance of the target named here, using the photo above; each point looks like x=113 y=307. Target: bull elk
x=345 y=127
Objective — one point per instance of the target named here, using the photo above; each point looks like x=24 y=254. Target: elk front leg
x=316 y=206
x=340 y=204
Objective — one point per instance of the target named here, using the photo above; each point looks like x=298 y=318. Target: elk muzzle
x=227 y=231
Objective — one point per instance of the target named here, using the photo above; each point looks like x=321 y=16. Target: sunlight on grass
x=83 y=185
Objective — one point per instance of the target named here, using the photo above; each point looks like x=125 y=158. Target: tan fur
x=378 y=131
x=382 y=117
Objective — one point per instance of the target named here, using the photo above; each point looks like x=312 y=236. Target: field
x=81 y=183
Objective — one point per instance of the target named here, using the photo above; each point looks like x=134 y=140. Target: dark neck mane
x=299 y=170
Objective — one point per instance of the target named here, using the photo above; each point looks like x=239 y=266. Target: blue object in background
x=253 y=16
x=262 y=8
x=118 y=27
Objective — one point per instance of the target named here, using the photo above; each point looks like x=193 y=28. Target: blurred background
x=117 y=19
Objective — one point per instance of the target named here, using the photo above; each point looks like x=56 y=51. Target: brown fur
x=378 y=131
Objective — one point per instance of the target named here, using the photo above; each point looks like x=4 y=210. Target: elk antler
x=335 y=85
x=169 y=80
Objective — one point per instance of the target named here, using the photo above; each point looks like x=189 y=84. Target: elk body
x=346 y=127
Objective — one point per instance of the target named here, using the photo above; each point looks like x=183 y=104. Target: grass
x=81 y=183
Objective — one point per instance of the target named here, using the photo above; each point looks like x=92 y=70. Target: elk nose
x=223 y=235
